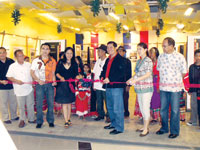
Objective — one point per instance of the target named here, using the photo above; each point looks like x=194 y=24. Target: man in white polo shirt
x=19 y=74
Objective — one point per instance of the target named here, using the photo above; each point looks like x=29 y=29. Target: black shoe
x=32 y=122
x=126 y=114
x=107 y=120
x=99 y=118
x=8 y=122
x=159 y=132
x=153 y=122
x=113 y=132
x=15 y=119
x=51 y=125
x=172 y=136
x=38 y=126
x=108 y=127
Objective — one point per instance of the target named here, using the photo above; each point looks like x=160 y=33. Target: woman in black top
x=66 y=69
x=194 y=77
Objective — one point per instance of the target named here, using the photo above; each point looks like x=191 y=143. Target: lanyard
x=139 y=64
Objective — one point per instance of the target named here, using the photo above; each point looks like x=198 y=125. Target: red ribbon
x=93 y=81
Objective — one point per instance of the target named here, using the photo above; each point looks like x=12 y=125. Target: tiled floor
x=59 y=138
x=90 y=131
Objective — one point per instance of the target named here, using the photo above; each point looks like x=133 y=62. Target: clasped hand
x=131 y=81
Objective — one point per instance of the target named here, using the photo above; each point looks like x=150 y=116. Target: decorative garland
x=157 y=32
x=128 y=35
x=160 y=24
x=59 y=28
x=95 y=7
x=163 y=5
x=16 y=16
x=119 y=27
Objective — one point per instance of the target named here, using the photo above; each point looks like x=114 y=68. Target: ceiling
x=139 y=14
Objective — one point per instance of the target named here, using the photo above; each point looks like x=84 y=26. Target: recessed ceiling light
x=189 y=11
x=125 y=27
x=180 y=26
x=77 y=29
x=49 y=16
x=114 y=16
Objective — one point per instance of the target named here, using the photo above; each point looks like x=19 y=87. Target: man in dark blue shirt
x=6 y=90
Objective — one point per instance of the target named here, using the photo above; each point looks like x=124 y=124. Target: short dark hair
x=170 y=41
x=17 y=51
x=121 y=48
x=144 y=45
x=156 y=51
x=113 y=43
x=47 y=44
x=3 y=48
x=196 y=51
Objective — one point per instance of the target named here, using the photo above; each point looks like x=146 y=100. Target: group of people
x=158 y=83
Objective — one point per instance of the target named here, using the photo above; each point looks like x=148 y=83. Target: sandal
x=66 y=125
x=142 y=135
x=139 y=130
x=69 y=122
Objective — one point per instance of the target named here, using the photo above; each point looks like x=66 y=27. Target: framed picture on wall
x=133 y=56
x=84 y=56
x=33 y=54
x=8 y=52
x=77 y=50
x=91 y=53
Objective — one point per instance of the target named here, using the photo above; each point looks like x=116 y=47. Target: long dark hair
x=144 y=45
x=156 y=51
x=88 y=67
x=64 y=60
x=80 y=63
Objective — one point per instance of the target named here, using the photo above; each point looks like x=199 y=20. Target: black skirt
x=64 y=94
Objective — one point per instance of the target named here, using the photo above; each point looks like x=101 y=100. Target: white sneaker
x=191 y=124
x=94 y=116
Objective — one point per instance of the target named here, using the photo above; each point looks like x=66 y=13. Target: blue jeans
x=115 y=106
x=42 y=91
x=173 y=99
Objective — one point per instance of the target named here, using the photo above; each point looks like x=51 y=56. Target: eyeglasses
x=2 y=52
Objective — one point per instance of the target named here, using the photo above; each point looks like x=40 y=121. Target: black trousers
x=126 y=97
x=93 y=101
